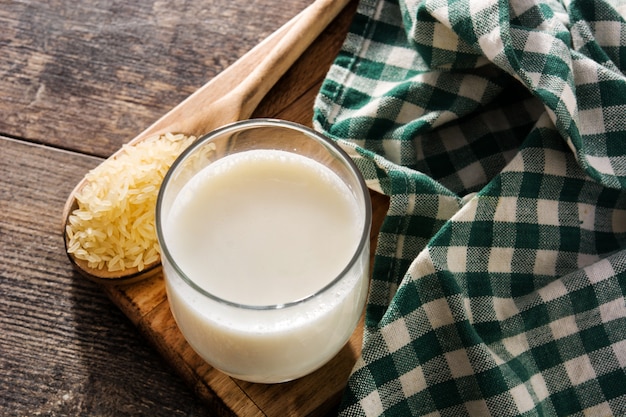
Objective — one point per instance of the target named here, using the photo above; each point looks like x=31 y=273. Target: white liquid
x=266 y=228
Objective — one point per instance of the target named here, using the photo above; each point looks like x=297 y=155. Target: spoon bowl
x=217 y=104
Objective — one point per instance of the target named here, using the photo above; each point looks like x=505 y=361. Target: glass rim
x=267 y=122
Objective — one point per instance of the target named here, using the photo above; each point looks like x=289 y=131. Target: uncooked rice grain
x=114 y=226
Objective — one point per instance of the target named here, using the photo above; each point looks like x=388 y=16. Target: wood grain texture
x=89 y=76
x=65 y=349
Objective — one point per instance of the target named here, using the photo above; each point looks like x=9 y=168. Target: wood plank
x=89 y=76
x=65 y=349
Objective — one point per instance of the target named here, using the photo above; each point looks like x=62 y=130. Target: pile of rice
x=114 y=226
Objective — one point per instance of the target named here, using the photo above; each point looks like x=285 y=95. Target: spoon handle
x=235 y=93
x=183 y=117
x=309 y=25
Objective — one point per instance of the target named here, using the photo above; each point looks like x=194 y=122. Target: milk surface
x=266 y=228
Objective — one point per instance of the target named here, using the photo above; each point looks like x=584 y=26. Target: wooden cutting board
x=145 y=303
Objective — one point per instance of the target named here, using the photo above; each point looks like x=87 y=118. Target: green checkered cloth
x=498 y=130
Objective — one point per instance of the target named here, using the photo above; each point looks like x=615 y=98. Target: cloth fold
x=498 y=130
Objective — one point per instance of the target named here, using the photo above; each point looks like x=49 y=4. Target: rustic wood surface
x=77 y=81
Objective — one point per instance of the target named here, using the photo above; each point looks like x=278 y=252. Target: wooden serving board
x=145 y=303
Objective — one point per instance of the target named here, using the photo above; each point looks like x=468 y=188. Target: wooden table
x=78 y=80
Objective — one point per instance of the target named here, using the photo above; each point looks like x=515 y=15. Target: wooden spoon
x=217 y=103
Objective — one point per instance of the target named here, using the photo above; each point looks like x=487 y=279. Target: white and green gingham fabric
x=498 y=130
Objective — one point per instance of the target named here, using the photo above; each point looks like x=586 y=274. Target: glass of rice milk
x=264 y=230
